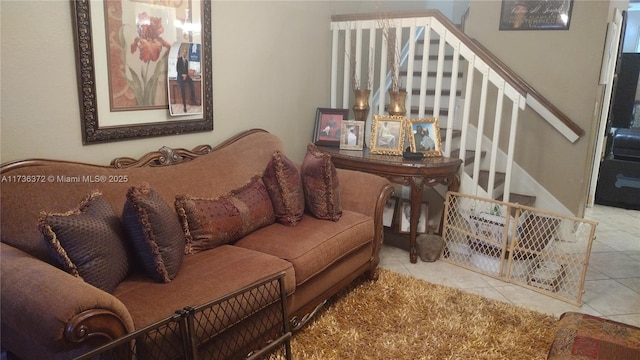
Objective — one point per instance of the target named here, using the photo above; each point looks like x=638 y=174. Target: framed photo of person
x=404 y=214
x=352 y=135
x=328 y=127
x=387 y=134
x=389 y=211
x=424 y=136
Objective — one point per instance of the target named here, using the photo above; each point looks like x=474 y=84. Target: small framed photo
x=387 y=134
x=424 y=136
x=404 y=217
x=328 y=127
x=389 y=211
x=352 y=137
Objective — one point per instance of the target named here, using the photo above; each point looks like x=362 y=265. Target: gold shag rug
x=401 y=317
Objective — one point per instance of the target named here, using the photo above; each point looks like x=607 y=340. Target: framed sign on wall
x=535 y=14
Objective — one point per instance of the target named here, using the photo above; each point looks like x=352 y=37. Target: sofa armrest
x=367 y=194
x=363 y=192
x=46 y=311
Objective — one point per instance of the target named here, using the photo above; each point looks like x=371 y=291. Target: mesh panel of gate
x=540 y=250
x=248 y=324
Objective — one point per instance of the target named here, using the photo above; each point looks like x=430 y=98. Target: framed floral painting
x=127 y=56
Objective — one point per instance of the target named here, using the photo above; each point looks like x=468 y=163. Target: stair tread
x=431 y=92
x=469 y=158
x=526 y=200
x=446 y=74
x=483 y=179
x=429 y=111
x=455 y=133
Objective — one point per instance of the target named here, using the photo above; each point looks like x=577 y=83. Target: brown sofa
x=49 y=314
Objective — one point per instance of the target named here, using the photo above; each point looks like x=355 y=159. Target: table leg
x=453 y=184
x=417 y=185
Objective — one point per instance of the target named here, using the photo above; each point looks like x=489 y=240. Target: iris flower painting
x=139 y=37
x=152 y=50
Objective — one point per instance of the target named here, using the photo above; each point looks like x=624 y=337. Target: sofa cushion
x=208 y=223
x=204 y=276
x=282 y=179
x=314 y=244
x=87 y=242
x=155 y=232
x=320 y=184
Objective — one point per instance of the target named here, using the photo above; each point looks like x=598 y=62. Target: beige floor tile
x=612 y=286
x=609 y=297
x=615 y=264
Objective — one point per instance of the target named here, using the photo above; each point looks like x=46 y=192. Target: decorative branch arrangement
x=355 y=81
x=393 y=56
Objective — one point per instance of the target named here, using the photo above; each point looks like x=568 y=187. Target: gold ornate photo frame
x=352 y=135
x=424 y=136
x=387 y=134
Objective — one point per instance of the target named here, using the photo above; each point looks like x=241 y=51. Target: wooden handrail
x=494 y=63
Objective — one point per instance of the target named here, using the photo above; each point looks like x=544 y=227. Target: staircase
x=445 y=95
x=453 y=79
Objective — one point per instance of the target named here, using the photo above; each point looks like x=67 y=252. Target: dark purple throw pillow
x=155 y=232
x=87 y=242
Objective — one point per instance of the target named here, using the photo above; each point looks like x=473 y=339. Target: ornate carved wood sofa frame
x=48 y=313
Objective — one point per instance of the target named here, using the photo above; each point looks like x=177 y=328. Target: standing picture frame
x=387 y=134
x=118 y=99
x=535 y=15
x=404 y=211
x=328 y=127
x=388 y=218
x=424 y=136
x=352 y=135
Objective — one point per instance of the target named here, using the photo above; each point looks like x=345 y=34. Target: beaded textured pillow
x=208 y=223
x=87 y=242
x=282 y=180
x=320 y=184
x=155 y=233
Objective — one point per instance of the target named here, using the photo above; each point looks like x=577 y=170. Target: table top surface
x=397 y=161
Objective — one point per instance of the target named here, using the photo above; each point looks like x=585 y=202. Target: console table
x=414 y=173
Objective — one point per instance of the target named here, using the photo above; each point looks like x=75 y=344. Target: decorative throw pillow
x=87 y=242
x=320 y=184
x=282 y=180
x=208 y=223
x=155 y=232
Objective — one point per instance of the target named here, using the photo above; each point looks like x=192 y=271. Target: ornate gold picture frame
x=387 y=134
x=424 y=136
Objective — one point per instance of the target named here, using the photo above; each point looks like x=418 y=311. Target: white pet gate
x=539 y=250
